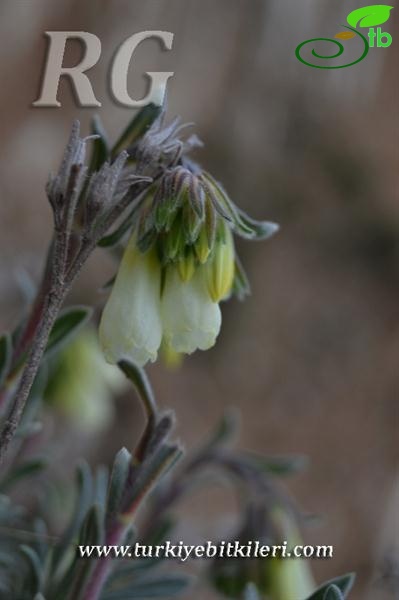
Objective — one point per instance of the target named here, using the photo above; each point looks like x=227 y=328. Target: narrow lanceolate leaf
x=343 y=584
x=101 y=486
x=159 y=432
x=84 y=498
x=36 y=567
x=137 y=128
x=5 y=356
x=119 y=475
x=92 y=531
x=100 y=146
x=68 y=324
x=150 y=471
x=91 y=534
x=40 y=530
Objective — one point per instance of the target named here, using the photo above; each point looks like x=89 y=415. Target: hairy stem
x=28 y=330
x=57 y=280
x=103 y=567
x=36 y=334
x=48 y=316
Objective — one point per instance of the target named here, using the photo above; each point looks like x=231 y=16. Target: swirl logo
x=366 y=17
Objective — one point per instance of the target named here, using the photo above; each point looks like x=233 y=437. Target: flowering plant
x=171 y=224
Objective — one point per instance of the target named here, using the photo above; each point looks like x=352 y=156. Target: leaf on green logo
x=369 y=16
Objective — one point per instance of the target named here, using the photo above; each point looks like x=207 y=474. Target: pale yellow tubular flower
x=191 y=320
x=220 y=267
x=131 y=325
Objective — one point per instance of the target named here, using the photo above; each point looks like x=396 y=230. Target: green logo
x=367 y=17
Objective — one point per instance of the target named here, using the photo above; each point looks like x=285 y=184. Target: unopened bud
x=173 y=243
x=191 y=222
x=186 y=266
x=220 y=267
x=201 y=246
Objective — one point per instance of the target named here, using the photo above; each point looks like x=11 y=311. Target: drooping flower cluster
x=180 y=260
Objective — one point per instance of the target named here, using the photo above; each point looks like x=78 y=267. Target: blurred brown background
x=311 y=358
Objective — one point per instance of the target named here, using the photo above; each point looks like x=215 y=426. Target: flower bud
x=168 y=199
x=196 y=196
x=186 y=266
x=201 y=246
x=220 y=267
x=191 y=222
x=172 y=245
